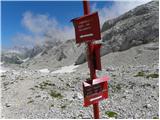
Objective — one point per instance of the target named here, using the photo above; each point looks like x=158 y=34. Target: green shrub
x=153 y=75
x=52 y=105
x=44 y=84
x=140 y=74
x=31 y=101
x=118 y=86
x=63 y=107
x=55 y=94
x=155 y=117
x=111 y=114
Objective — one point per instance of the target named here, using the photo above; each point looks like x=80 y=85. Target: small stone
x=126 y=91
x=79 y=95
x=136 y=115
x=110 y=69
x=81 y=111
x=7 y=105
x=149 y=105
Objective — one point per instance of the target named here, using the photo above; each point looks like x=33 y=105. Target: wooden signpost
x=87 y=29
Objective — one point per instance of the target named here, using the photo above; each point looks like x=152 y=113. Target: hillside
x=61 y=55
x=136 y=27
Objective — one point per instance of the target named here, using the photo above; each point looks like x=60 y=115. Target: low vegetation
x=52 y=105
x=153 y=75
x=31 y=101
x=111 y=114
x=155 y=117
x=44 y=84
x=116 y=87
x=63 y=106
x=55 y=94
x=142 y=74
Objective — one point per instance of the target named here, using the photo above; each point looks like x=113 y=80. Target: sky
x=28 y=23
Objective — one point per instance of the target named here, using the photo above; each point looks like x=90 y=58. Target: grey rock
x=149 y=105
x=81 y=59
x=34 y=51
x=11 y=58
x=7 y=105
x=78 y=95
x=152 y=46
x=60 y=55
x=135 y=27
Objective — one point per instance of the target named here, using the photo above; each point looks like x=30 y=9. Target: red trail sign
x=96 y=91
x=87 y=28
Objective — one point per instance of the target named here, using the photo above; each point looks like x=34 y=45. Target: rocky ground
x=133 y=88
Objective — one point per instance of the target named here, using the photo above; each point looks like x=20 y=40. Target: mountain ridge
x=135 y=27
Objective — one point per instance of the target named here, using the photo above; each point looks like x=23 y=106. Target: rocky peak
x=136 y=27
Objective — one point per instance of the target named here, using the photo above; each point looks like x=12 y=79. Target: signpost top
x=87 y=28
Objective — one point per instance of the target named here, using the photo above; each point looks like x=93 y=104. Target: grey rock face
x=33 y=52
x=136 y=27
x=11 y=58
x=60 y=55
x=81 y=59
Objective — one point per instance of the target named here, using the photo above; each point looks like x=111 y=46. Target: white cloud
x=43 y=24
x=42 y=28
x=118 y=8
x=22 y=39
x=38 y=23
